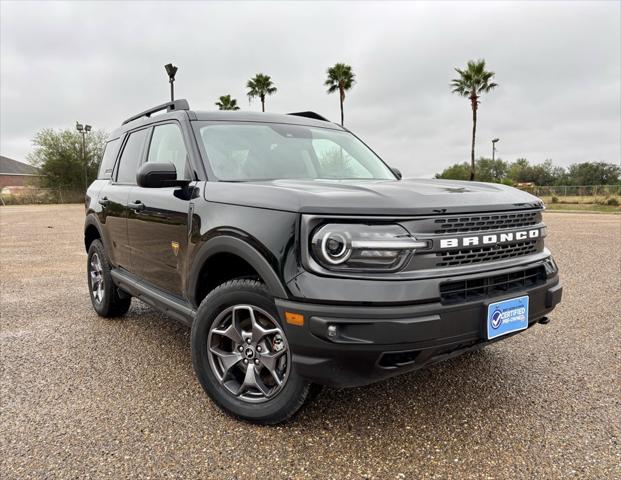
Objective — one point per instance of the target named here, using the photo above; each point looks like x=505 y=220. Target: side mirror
x=158 y=175
x=397 y=172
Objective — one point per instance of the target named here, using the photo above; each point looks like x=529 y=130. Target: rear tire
x=107 y=301
x=241 y=356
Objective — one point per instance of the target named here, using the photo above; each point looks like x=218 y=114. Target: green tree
x=341 y=78
x=594 y=173
x=260 y=86
x=459 y=171
x=472 y=83
x=542 y=174
x=58 y=155
x=558 y=174
x=520 y=171
x=227 y=103
x=489 y=170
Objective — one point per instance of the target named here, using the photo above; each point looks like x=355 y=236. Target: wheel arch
x=229 y=245
x=92 y=231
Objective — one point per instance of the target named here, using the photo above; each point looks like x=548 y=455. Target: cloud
x=557 y=63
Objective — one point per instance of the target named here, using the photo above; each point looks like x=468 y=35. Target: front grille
x=467 y=256
x=486 y=222
x=485 y=287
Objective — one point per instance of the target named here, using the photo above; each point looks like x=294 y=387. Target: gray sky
x=558 y=65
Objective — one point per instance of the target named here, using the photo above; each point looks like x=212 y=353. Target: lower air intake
x=485 y=287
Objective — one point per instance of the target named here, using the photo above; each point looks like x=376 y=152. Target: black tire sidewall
x=111 y=304
x=275 y=410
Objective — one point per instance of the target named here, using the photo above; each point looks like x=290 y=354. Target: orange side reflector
x=294 y=318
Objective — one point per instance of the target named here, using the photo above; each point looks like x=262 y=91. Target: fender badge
x=175 y=247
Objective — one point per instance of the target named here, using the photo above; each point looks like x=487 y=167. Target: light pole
x=494 y=148
x=171 y=70
x=84 y=129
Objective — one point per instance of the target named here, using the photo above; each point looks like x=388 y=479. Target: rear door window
x=130 y=158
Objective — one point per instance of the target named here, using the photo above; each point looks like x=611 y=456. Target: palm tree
x=260 y=86
x=227 y=103
x=341 y=78
x=472 y=83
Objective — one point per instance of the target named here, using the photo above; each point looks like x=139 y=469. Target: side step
x=162 y=301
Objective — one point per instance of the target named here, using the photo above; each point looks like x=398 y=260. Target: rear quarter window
x=107 y=161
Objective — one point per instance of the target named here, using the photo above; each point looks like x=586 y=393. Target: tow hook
x=544 y=320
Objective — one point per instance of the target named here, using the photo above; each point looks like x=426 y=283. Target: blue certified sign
x=507 y=316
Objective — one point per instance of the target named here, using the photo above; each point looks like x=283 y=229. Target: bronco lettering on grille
x=489 y=239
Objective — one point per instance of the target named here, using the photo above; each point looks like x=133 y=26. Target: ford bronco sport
x=300 y=259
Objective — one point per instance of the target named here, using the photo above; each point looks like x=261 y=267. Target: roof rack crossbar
x=312 y=115
x=181 y=104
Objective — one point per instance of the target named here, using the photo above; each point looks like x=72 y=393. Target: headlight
x=360 y=247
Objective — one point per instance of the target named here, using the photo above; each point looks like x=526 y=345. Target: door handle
x=137 y=205
x=104 y=201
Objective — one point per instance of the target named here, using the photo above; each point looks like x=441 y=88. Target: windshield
x=267 y=151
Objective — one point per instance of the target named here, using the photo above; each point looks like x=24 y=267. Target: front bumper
x=371 y=343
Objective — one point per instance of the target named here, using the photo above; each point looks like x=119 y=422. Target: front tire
x=241 y=356
x=106 y=299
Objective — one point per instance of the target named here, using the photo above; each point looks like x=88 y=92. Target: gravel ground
x=83 y=397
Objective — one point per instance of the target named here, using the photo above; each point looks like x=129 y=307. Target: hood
x=372 y=197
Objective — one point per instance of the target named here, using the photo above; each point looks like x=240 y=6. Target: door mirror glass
x=158 y=175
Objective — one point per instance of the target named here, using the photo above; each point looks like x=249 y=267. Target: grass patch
x=582 y=207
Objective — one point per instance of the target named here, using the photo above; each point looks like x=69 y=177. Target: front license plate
x=507 y=316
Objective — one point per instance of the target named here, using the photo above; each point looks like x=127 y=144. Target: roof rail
x=312 y=115
x=181 y=104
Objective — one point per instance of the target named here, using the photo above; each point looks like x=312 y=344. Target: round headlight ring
x=342 y=255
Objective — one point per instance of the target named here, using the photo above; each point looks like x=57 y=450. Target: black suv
x=300 y=259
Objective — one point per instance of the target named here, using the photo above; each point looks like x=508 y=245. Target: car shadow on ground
x=437 y=394
x=487 y=380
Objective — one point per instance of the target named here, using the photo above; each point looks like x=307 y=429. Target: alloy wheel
x=248 y=353
x=96 y=276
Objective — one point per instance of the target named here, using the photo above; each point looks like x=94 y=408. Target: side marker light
x=294 y=318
